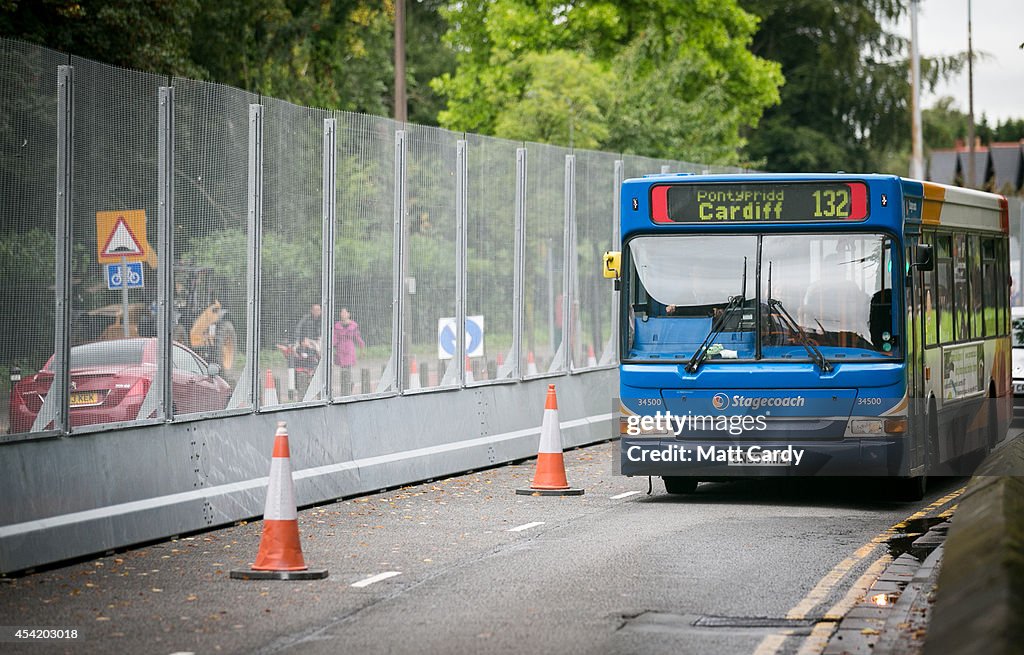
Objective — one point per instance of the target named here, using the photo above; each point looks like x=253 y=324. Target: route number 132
x=831 y=203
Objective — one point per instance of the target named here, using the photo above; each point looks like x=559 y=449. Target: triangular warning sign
x=122 y=243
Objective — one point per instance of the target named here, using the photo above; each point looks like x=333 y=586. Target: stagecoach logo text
x=721 y=401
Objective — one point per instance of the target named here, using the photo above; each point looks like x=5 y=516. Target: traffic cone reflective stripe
x=549 y=477
x=270 y=390
x=280 y=553
x=414 y=373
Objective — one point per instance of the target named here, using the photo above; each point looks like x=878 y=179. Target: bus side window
x=974 y=277
x=930 y=299
x=990 y=286
x=944 y=288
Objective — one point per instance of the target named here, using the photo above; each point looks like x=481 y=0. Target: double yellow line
x=823 y=629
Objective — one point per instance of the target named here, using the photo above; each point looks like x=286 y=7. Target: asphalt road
x=476 y=568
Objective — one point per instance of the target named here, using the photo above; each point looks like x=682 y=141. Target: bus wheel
x=679 y=485
x=993 y=423
x=911 y=488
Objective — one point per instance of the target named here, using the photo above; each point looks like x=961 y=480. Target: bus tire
x=910 y=488
x=993 y=421
x=678 y=485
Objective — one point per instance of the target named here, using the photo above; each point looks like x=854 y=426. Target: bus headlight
x=878 y=426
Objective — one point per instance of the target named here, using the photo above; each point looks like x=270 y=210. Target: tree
x=685 y=63
x=335 y=53
x=563 y=101
x=846 y=101
x=149 y=36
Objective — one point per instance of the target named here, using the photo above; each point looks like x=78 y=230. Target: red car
x=110 y=379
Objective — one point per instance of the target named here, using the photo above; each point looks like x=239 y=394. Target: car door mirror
x=213 y=370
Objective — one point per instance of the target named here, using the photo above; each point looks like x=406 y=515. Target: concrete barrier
x=979 y=606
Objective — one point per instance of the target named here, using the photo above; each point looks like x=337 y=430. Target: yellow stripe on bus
x=934 y=196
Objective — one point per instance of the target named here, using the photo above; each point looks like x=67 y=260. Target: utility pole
x=970 y=101
x=917 y=156
x=401 y=109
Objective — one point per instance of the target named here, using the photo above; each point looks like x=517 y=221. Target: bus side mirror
x=923 y=260
x=612 y=264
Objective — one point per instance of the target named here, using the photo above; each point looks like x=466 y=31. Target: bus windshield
x=770 y=296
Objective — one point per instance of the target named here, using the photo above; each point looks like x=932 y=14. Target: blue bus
x=810 y=324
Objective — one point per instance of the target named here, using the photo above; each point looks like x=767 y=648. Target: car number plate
x=1018 y=387
x=81 y=398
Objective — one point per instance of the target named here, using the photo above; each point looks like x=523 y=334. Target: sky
x=998 y=29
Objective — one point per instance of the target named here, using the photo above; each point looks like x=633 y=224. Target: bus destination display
x=753 y=202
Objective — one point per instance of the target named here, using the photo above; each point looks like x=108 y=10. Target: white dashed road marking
x=376 y=578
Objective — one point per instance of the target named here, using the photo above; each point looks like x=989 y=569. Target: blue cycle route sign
x=116 y=276
x=447 y=341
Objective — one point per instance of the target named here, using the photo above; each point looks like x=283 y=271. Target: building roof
x=942 y=167
x=982 y=167
x=1008 y=166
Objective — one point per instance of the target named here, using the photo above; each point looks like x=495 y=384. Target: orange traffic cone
x=280 y=554
x=270 y=390
x=469 y=371
x=414 y=373
x=531 y=366
x=591 y=359
x=549 y=479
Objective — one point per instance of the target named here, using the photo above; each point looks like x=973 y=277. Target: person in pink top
x=345 y=337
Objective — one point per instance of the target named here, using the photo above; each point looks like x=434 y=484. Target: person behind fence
x=307 y=330
x=345 y=337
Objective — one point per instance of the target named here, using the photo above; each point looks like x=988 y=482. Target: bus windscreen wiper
x=735 y=302
x=815 y=354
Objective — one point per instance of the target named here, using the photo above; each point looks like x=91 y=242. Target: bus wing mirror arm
x=923 y=257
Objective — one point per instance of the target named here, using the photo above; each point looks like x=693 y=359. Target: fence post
x=55 y=406
x=330 y=199
x=568 y=266
x=461 y=184
x=399 y=378
x=610 y=351
x=247 y=390
x=165 y=253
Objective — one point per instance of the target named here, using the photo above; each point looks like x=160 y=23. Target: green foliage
x=636 y=76
x=564 y=99
x=149 y=36
x=846 y=102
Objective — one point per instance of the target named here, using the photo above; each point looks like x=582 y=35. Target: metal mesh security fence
x=28 y=178
x=490 y=252
x=430 y=250
x=248 y=209
x=593 y=309
x=638 y=166
x=291 y=266
x=544 y=260
x=114 y=266
x=211 y=285
x=362 y=329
